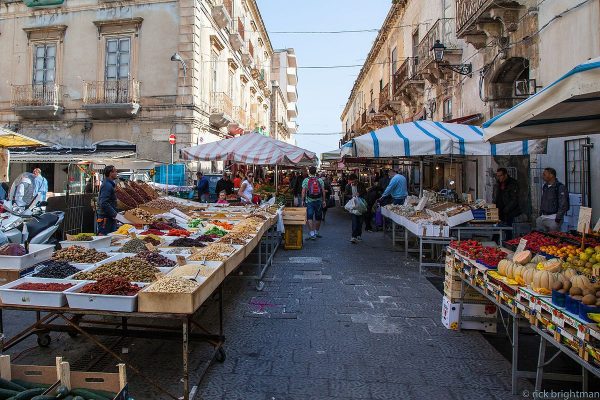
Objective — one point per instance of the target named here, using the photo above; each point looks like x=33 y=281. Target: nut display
x=233 y=238
x=162 y=204
x=143 y=215
x=82 y=237
x=115 y=286
x=54 y=269
x=134 y=246
x=131 y=268
x=156 y=259
x=193 y=270
x=169 y=284
x=78 y=254
x=213 y=252
x=152 y=239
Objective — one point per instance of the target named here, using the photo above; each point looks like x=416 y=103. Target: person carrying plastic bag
x=356 y=206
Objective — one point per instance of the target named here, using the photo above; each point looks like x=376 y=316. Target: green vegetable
x=30 y=385
x=194 y=223
x=215 y=231
x=89 y=395
x=4 y=384
x=28 y=394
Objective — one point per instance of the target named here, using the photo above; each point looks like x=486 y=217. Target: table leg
x=539 y=375
x=420 y=254
x=393 y=234
x=585 y=379
x=460 y=303
x=185 y=356
x=405 y=242
x=515 y=354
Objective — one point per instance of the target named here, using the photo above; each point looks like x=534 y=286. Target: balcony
x=292 y=110
x=221 y=110
x=37 y=101
x=444 y=31
x=236 y=34
x=221 y=12
x=475 y=19
x=112 y=99
x=247 y=55
x=292 y=127
x=292 y=75
x=385 y=97
x=291 y=59
x=239 y=117
x=408 y=84
x=292 y=93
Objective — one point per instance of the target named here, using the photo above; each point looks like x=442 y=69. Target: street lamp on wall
x=438 y=55
x=177 y=57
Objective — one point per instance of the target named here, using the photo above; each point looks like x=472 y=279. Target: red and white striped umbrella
x=252 y=148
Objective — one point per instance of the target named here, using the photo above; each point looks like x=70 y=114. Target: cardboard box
x=294 y=215
x=450 y=315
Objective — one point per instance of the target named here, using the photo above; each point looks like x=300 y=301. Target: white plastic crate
x=37 y=253
x=102 y=302
x=97 y=242
x=36 y=297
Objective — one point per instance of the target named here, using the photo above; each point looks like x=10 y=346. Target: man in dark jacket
x=355 y=189
x=107 y=202
x=373 y=194
x=203 y=188
x=225 y=184
x=555 y=202
x=506 y=196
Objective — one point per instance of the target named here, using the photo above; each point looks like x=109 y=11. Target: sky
x=322 y=93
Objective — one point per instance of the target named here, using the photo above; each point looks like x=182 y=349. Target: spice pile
x=12 y=249
x=186 y=242
x=152 y=239
x=54 y=269
x=44 y=287
x=206 y=238
x=115 y=286
x=134 y=246
x=173 y=285
x=193 y=270
x=124 y=229
x=179 y=232
x=78 y=254
x=156 y=259
x=130 y=268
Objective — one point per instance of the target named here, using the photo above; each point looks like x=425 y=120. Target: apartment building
x=496 y=54
x=86 y=73
x=284 y=70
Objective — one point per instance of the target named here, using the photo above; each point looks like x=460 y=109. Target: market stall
x=169 y=257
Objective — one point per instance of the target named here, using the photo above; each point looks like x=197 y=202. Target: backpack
x=314 y=189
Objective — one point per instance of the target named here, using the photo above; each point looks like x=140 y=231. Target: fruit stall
x=549 y=282
x=167 y=258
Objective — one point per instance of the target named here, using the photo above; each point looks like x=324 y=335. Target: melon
x=531 y=265
x=538 y=259
x=543 y=280
x=553 y=265
x=580 y=281
x=502 y=266
x=570 y=272
x=528 y=276
x=522 y=257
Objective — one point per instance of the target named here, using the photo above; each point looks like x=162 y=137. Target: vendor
x=225 y=184
x=506 y=196
x=555 y=202
x=107 y=202
x=246 y=191
x=397 y=188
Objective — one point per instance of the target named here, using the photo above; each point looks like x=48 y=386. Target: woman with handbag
x=357 y=205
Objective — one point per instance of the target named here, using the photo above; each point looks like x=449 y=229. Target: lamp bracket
x=461 y=69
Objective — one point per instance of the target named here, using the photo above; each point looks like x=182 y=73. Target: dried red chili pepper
x=111 y=286
x=44 y=287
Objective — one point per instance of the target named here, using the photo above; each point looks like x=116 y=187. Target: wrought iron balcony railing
x=122 y=91
x=49 y=94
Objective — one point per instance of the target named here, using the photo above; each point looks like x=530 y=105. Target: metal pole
x=276 y=178
x=172 y=153
x=421 y=177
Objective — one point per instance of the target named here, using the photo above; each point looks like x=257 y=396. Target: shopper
x=203 y=187
x=384 y=179
x=506 y=197
x=396 y=189
x=373 y=194
x=40 y=184
x=328 y=193
x=555 y=202
x=225 y=184
x=222 y=197
x=246 y=191
x=107 y=202
x=237 y=181
x=355 y=189
x=313 y=195
x=298 y=189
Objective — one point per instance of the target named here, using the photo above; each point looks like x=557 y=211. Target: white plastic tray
x=37 y=253
x=97 y=242
x=124 y=255
x=35 y=297
x=102 y=302
x=80 y=267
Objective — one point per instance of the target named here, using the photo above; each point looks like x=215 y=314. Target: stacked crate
x=294 y=218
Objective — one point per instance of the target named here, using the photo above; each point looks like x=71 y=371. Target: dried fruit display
x=149 y=190
x=130 y=268
x=12 y=249
x=78 y=254
x=186 y=242
x=162 y=204
x=82 y=237
x=134 y=195
x=125 y=198
x=152 y=232
x=124 y=229
x=44 y=287
x=111 y=286
x=134 y=246
x=54 y=269
x=152 y=239
x=156 y=259
x=143 y=215
x=140 y=191
x=169 y=284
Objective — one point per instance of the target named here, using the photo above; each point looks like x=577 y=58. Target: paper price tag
x=150 y=247
x=522 y=245
x=180 y=260
x=584 y=221
x=132 y=235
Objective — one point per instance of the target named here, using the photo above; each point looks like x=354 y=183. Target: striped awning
x=422 y=138
x=569 y=106
x=251 y=148
x=9 y=138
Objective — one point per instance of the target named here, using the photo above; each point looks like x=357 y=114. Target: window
x=44 y=64
x=118 y=59
x=447 y=109
x=415 y=45
x=394 y=59
x=230 y=84
x=214 y=62
x=380 y=85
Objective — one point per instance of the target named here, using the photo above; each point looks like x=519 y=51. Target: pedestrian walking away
x=107 y=202
x=313 y=195
x=397 y=189
x=554 y=204
x=355 y=190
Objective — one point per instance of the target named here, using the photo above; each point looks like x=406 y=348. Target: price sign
x=585 y=219
x=597 y=226
x=522 y=245
x=132 y=235
x=181 y=260
x=150 y=246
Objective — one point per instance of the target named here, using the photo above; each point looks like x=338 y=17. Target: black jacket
x=107 y=199
x=227 y=186
x=361 y=190
x=555 y=200
x=507 y=199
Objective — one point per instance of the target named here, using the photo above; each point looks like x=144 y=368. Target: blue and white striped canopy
x=422 y=138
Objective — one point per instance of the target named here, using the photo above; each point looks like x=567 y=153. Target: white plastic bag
x=350 y=205
x=356 y=206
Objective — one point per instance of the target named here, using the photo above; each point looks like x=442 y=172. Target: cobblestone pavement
x=334 y=321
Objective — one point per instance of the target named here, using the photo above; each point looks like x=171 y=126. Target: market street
x=334 y=321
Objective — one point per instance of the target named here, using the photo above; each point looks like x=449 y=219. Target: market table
x=488 y=228
x=517 y=315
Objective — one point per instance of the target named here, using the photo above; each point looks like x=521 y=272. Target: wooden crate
x=294 y=215
x=293 y=237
